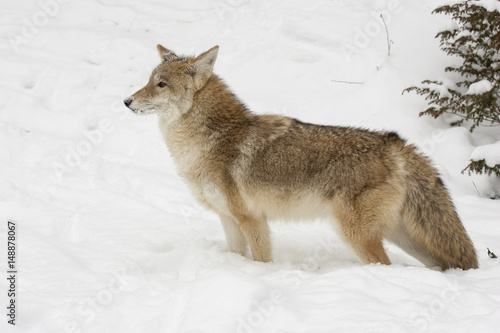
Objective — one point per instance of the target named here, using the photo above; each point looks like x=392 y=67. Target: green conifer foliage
x=475 y=96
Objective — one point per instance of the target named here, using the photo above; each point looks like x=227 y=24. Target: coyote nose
x=127 y=102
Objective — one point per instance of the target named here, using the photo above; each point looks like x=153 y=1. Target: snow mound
x=479 y=88
x=490 y=153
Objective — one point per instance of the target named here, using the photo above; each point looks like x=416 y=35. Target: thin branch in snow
x=348 y=82
x=387 y=34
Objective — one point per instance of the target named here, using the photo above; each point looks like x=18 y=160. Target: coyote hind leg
x=368 y=247
x=366 y=220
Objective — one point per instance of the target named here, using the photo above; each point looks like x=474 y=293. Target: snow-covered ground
x=109 y=238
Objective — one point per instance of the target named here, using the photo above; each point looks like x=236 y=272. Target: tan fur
x=250 y=169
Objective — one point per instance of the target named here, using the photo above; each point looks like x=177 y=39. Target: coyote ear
x=165 y=54
x=202 y=68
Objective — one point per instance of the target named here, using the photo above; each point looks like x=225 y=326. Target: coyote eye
x=162 y=84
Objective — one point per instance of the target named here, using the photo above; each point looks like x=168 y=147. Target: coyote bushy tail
x=430 y=220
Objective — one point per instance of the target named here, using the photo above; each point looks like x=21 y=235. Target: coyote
x=251 y=168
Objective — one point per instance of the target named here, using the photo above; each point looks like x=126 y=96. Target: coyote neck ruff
x=250 y=169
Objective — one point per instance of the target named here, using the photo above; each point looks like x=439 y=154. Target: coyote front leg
x=234 y=237
x=256 y=232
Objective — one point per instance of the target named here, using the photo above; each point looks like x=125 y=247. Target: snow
x=109 y=237
x=490 y=153
x=439 y=88
x=449 y=25
x=479 y=88
x=442 y=88
x=489 y=5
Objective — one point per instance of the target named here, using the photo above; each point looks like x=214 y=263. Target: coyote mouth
x=142 y=112
x=128 y=104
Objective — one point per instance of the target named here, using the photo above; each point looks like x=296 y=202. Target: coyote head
x=172 y=85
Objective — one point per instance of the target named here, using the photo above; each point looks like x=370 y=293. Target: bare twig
x=348 y=82
x=387 y=34
x=478 y=194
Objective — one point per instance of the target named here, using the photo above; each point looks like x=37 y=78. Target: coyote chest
x=189 y=151
x=187 y=148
